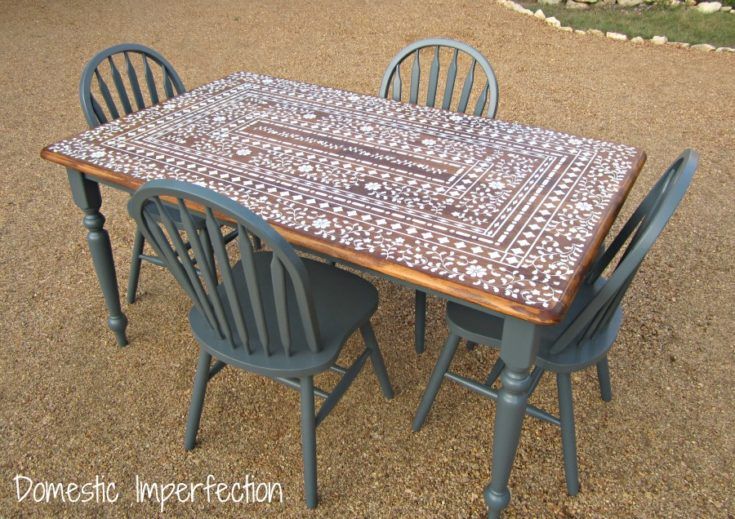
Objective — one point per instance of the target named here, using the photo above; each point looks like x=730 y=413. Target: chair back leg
x=442 y=365
x=603 y=375
x=197 y=400
x=371 y=343
x=420 y=330
x=135 y=266
x=568 y=440
x=308 y=440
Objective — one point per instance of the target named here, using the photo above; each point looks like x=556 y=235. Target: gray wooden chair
x=590 y=327
x=271 y=313
x=484 y=93
x=118 y=81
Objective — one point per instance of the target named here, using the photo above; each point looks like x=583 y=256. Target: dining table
x=500 y=216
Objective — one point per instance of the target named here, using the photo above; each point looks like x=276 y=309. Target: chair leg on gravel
x=377 y=359
x=432 y=388
x=471 y=345
x=197 y=400
x=603 y=375
x=568 y=440
x=420 y=330
x=308 y=440
x=135 y=266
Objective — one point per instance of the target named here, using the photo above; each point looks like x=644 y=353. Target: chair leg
x=420 y=330
x=568 y=440
x=495 y=372
x=435 y=381
x=603 y=375
x=308 y=439
x=135 y=266
x=471 y=345
x=377 y=359
x=197 y=400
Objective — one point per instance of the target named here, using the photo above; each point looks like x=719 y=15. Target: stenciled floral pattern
x=506 y=208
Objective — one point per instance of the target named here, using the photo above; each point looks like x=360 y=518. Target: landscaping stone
x=577 y=31
x=704 y=47
x=549 y=2
x=725 y=49
x=629 y=3
x=659 y=40
x=553 y=21
x=539 y=14
x=708 y=7
x=595 y=32
x=571 y=4
x=566 y=29
x=616 y=36
x=637 y=39
x=726 y=8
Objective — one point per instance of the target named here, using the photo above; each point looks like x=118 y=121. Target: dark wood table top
x=499 y=214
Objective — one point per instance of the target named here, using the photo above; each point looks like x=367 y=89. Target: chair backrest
x=123 y=66
x=640 y=233
x=199 y=272
x=484 y=99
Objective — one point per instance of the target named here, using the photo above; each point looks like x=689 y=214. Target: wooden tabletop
x=499 y=214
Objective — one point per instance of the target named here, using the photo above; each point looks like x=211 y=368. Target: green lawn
x=676 y=23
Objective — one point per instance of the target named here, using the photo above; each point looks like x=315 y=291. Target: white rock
x=629 y=3
x=705 y=47
x=637 y=39
x=578 y=31
x=680 y=44
x=690 y=3
x=566 y=29
x=616 y=36
x=595 y=32
x=539 y=14
x=553 y=21
x=659 y=40
x=725 y=49
x=587 y=1
x=549 y=2
x=708 y=7
x=726 y=8
x=571 y=4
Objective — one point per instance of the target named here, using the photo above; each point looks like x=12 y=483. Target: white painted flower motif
x=476 y=271
x=243 y=152
x=353 y=98
x=584 y=206
x=98 y=154
x=309 y=116
x=366 y=128
x=306 y=168
x=372 y=186
x=428 y=142
x=219 y=119
x=496 y=184
x=455 y=118
x=321 y=223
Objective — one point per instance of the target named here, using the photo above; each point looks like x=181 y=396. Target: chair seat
x=483 y=328
x=342 y=302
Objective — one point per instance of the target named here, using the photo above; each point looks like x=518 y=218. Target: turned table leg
x=518 y=351
x=87 y=197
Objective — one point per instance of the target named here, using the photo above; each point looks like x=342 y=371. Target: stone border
x=656 y=40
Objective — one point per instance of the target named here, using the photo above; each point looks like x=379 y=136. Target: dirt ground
x=74 y=405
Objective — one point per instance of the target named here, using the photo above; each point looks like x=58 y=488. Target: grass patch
x=676 y=23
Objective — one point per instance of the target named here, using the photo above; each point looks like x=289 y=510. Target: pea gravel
x=73 y=405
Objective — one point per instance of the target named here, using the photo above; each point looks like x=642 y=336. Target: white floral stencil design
x=506 y=209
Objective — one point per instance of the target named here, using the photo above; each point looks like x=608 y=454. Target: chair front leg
x=135 y=262
x=197 y=399
x=568 y=440
x=376 y=358
x=308 y=440
x=432 y=388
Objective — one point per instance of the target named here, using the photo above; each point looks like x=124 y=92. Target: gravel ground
x=74 y=405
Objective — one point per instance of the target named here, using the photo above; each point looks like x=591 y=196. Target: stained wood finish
x=499 y=214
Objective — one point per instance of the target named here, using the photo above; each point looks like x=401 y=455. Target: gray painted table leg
x=518 y=352
x=87 y=196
